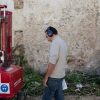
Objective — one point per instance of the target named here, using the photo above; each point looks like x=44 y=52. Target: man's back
x=58 y=53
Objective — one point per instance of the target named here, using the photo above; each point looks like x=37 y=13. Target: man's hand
x=49 y=71
x=45 y=82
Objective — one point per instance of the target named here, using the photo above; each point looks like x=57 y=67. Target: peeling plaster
x=77 y=21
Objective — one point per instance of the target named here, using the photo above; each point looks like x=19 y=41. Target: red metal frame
x=6 y=34
x=12 y=76
x=3 y=6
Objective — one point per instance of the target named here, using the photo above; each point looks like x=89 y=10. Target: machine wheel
x=19 y=95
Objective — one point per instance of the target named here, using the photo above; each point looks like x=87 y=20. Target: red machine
x=11 y=76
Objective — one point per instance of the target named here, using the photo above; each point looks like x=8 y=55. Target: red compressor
x=11 y=76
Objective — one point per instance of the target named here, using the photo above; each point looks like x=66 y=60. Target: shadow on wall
x=92 y=67
x=75 y=64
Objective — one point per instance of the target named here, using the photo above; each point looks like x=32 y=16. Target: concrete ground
x=69 y=97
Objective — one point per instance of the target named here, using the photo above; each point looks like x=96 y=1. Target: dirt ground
x=92 y=97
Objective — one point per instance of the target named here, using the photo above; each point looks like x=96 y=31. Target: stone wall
x=77 y=21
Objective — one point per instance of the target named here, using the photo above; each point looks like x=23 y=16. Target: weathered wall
x=77 y=21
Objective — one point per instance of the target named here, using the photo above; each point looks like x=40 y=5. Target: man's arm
x=49 y=71
x=54 y=54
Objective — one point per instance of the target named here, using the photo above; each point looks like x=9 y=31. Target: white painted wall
x=77 y=21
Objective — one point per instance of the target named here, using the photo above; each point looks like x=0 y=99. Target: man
x=56 y=66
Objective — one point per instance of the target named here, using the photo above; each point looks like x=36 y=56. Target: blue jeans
x=54 y=89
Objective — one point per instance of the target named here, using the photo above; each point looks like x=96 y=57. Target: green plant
x=30 y=80
x=90 y=83
x=22 y=61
